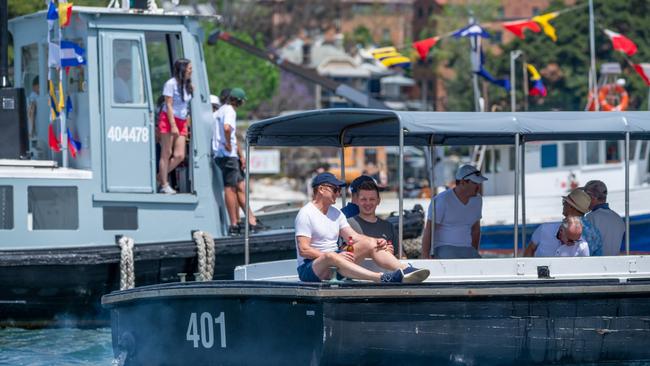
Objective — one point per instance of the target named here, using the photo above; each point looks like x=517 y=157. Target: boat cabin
x=105 y=185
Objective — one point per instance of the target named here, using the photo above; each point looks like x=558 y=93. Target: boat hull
x=64 y=287
x=246 y=322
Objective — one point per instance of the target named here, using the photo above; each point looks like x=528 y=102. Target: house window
x=120 y=218
x=549 y=156
x=128 y=82
x=570 y=154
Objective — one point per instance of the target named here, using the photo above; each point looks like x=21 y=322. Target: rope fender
x=127 y=271
x=205 y=253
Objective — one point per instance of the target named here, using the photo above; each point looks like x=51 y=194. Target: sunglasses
x=333 y=188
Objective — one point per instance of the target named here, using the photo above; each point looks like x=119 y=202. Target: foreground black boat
x=272 y=323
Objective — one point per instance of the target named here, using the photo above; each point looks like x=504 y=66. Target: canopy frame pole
x=514 y=55
x=401 y=188
x=432 y=202
x=247 y=210
x=344 y=192
x=522 y=180
x=516 y=219
x=593 y=76
x=627 y=191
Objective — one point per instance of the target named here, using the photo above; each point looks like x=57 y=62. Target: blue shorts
x=306 y=272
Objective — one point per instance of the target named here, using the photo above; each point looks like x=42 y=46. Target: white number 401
x=203 y=329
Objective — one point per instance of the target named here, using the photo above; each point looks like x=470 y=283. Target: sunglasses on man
x=333 y=188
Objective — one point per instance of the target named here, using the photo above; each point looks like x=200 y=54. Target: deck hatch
x=120 y=218
x=53 y=208
x=6 y=207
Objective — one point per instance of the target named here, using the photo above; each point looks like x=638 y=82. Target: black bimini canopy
x=368 y=127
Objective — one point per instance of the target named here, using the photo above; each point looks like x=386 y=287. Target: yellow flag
x=61 y=98
x=53 y=105
x=534 y=75
x=379 y=56
x=65 y=13
x=383 y=50
x=543 y=20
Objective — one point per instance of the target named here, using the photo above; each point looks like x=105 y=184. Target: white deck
x=482 y=270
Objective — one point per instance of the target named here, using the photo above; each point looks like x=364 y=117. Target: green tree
x=565 y=63
x=230 y=67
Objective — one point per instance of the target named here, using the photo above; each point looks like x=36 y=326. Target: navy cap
x=354 y=186
x=326 y=178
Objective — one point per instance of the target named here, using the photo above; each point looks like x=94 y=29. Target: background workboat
x=586 y=310
x=62 y=212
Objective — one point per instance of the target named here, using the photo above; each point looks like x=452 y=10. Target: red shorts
x=165 y=127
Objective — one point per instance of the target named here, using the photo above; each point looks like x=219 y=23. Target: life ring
x=602 y=98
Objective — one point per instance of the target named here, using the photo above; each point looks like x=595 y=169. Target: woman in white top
x=173 y=124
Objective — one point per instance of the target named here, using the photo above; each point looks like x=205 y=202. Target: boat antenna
x=4 y=46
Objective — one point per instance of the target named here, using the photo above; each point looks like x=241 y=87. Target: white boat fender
x=127 y=271
x=205 y=253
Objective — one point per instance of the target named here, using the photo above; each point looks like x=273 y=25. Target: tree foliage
x=564 y=65
x=230 y=67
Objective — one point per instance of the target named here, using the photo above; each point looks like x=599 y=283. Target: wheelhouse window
x=6 y=207
x=128 y=81
x=53 y=208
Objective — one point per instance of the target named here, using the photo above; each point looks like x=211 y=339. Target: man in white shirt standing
x=228 y=157
x=558 y=240
x=458 y=218
x=318 y=227
x=608 y=222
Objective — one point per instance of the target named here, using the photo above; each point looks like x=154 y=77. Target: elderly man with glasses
x=577 y=203
x=458 y=218
x=319 y=225
x=558 y=240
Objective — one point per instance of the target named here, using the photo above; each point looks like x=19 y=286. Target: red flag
x=621 y=43
x=644 y=71
x=52 y=140
x=424 y=46
x=518 y=26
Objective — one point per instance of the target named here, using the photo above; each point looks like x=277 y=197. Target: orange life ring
x=602 y=98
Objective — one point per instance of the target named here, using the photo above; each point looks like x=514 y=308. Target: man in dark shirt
x=367 y=222
x=352 y=208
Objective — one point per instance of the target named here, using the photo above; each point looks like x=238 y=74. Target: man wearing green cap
x=228 y=157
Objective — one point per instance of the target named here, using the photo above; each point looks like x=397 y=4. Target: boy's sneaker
x=167 y=189
x=415 y=275
x=393 y=277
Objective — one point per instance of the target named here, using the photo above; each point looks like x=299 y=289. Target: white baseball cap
x=469 y=172
x=214 y=99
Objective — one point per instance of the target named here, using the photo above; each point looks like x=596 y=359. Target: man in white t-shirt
x=609 y=223
x=318 y=227
x=458 y=218
x=558 y=240
x=229 y=158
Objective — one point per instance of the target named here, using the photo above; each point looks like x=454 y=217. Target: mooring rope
x=205 y=253
x=127 y=272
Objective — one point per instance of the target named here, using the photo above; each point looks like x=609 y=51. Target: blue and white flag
x=72 y=54
x=53 y=55
x=471 y=30
x=52 y=15
x=504 y=83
